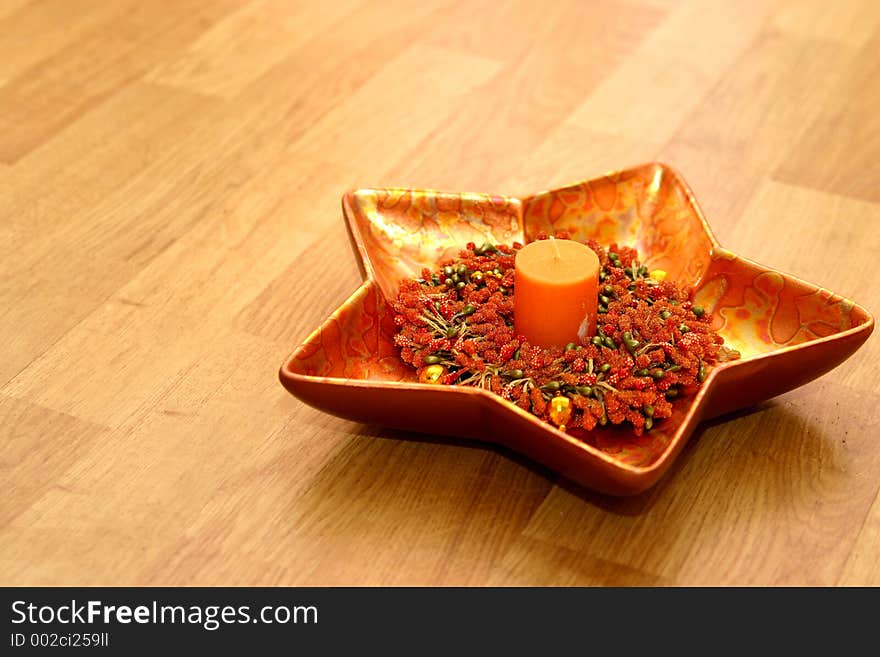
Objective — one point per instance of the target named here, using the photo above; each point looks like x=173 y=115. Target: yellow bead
x=658 y=275
x=432 y=374
x=477 y=276
x=560 y=411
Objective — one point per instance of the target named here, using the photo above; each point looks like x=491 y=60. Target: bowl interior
x=759 y=311
x=398 y=231
x=649 y=208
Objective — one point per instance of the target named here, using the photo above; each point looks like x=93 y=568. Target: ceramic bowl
x=788 y=331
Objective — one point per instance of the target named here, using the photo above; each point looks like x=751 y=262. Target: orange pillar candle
x=555 y=292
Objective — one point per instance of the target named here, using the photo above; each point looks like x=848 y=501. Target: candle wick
x=556 y=254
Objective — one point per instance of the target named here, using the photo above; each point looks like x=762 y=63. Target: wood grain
x=42 y=99
x=170 y=176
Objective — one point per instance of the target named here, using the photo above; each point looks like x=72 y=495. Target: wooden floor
x=170 y=229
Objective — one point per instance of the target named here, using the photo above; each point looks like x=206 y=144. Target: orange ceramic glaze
x=556 y=292
x=788 y=331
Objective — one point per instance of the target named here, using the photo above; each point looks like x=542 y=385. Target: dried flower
x=652 y=344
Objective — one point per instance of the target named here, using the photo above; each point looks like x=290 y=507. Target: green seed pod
x=468 y=310
x=452 y=331
x=698 y=311
x=608 y=342
x=649 y=423
x=640 y=372
x=569 y=346
x=657 y=373
x=553 y=386
x=672 y=393
x=456 y=278
x=448 y=282
x=461 y=270
x=432 y=360
x=649 y=411
x=448 y=270
x=684 y=328
x=597 y=341
x=513 y=374
x=665 y=314
x=460 y=285
x=586 y=391
x=605 y=368
x=608 y=290
x=605 y=300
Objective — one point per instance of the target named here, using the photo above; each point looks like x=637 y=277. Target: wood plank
x=226 y=262
x=429 y=536
x=672 y=70
x=39 y=447
x=769 y=100
x=500 y=31
x=480 y=151
x=286 y=311
x=571 y=153
x=39 y=29
x=261 y=34
x=175 y=180
x=531 y=562
x=850 y=22
x=863 y=567
x=38 y=103
x=127 y=319
x=70 y=266
x=840 y=150
x=12 y=6
x=97 y=536
x=437 y=80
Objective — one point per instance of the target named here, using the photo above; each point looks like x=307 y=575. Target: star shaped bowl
x=787 y=330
